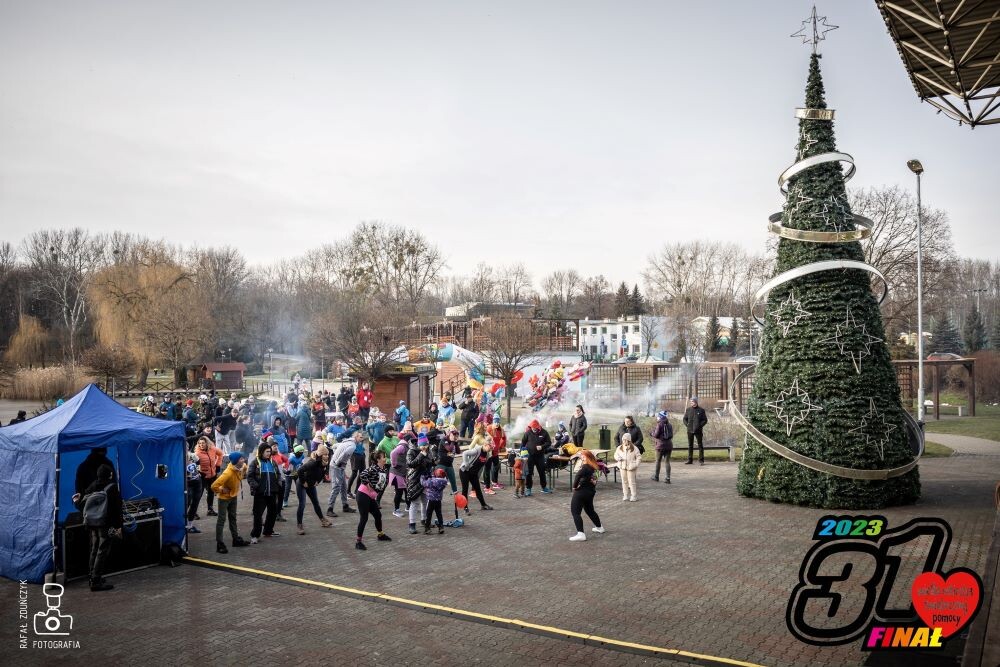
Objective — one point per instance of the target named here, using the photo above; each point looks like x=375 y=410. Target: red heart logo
x=946 y=604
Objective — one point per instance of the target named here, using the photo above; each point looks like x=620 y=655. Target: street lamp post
x=270 y=365
x=918 y=169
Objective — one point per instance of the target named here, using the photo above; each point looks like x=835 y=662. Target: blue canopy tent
x=38 y=462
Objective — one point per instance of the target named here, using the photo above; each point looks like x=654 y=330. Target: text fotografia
x=847 y=579
x=51 y=626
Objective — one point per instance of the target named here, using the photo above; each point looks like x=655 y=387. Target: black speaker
x=138 y=548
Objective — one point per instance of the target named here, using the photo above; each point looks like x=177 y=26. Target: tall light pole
x=918 y=169
x=270 y=365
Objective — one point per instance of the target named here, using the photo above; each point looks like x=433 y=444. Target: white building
x=610 y=339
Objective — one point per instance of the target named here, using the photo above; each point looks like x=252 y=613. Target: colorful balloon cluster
x=550 y=389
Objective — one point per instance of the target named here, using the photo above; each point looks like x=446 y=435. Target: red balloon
x=461 y=501
x=517 y=377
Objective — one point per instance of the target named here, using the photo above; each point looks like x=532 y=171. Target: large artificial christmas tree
x=825 y=425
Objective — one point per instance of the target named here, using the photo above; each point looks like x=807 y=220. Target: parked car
x=748 y=359
x=943 y=356
x=630 y=359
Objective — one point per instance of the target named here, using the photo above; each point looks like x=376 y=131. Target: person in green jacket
x=387 y=444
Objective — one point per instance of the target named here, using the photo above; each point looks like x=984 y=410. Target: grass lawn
x=986 y=423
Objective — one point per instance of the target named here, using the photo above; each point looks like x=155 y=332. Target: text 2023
x=832 y=527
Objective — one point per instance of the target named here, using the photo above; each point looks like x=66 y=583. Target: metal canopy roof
x=951 y=50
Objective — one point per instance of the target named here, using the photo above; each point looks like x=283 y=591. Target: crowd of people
x=307 y=440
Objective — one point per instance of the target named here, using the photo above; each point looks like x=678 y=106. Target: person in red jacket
x=365 y=397
x=491 y=471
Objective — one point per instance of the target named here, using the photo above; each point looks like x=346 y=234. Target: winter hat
x=422 y=441
x=662 y=414
x=235 y=457
x=562 y=424
x=439 y=472
x=694 y=399
x=534 y=424
x=496 y=419
x=402 y=402
x=299 y=449
x=270 y=440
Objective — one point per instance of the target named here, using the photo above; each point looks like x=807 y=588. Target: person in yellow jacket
x=227 y=488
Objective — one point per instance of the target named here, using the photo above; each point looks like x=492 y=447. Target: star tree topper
x=875 y=427
x=840 y=339
x=814 y=29
x=793 y=400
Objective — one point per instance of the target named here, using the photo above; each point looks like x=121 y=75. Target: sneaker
x=487 y=507
x=687 y=463
x=399 y=514
x=196 y=518
x=330 y=512
x=240 y=542
x=300 y=529
x=280 y=518
x=272 y=534
x=350 y=495
x=193 y=529
x=472 y=494
x=384 y=538
x=632 y=499
x=360 y=546
x=211 y=512
x=624 y=499
x=221 y=548
x=348 y=509
x=701 y=463
x=655 y=479
x=440 y=530
x=498 y=485
x=527 y=492
x=598 y=529
x=517 y=495
x=467 y=512
x=413 y=529
x=427 y=530
x=489 y=492
x=97 y=587
x=254 y=540
x=285 y=504
x=668 y=480
x=546 y=490
x=579 y=537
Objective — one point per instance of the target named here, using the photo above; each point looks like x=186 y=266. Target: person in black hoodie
x=100 y=536
x=86 y=473
x=264 y=479
x=21 y=416
x=628 y=426
x=470 y=411
x=663 y=434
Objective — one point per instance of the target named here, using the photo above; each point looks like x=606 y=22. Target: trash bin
x=605 y=441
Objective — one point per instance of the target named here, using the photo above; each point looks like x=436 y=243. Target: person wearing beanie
x=402 y=414
x=264 y=478
x=434 y=489
x=663 y=436
x=536 y=440
x=695 y=420
x=418 y=466
x=227 y=488
x=295 y=462
x=100 y=535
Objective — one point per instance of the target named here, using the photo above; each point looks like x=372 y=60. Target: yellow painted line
x=463 y=613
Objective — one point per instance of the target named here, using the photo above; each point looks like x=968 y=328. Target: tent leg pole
x=55 y=525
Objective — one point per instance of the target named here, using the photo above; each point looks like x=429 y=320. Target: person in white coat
x=628 y=456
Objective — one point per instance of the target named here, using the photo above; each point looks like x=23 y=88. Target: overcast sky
x=542 y=131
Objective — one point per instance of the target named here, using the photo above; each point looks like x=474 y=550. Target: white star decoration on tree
x=839 y=338
x=805 y=143
x=880 y=432
x=793 y=400
x=788 y=313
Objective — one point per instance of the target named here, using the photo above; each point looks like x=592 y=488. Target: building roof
x=213 y=367
x=951 y=52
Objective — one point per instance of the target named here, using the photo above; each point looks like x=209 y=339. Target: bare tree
x=892 y=248
x=396 y=265
x=175 y=334
x=560 y=289
x=649 y=333
x=481 y=287
x=595 y=297
x=110 y=362
x=63 y=262
x=513 y=283
x=355 y=333
x=512 y=347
